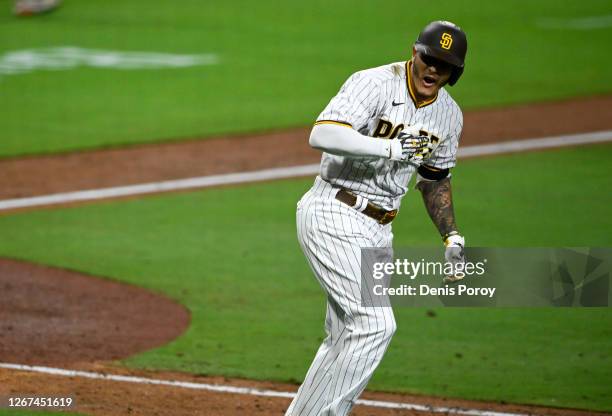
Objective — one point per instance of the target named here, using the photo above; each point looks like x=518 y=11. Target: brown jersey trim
x=341 y=123
x=409 y=83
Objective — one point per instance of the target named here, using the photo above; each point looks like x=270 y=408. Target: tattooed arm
x=438 y=200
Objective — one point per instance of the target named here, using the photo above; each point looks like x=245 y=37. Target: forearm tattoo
x=438 y=200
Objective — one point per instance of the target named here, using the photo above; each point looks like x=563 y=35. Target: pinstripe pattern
x=332 y=234
x=365 y=99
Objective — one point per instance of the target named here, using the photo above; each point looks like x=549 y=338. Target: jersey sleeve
x=445 y=155
x=356 y=102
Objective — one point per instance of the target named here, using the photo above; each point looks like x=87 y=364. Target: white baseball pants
x=331 y=235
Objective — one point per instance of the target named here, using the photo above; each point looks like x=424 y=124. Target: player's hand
x=410 y=146
x=455 y=255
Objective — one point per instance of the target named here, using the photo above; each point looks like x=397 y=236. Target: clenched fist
x=411 y=147
x=455 y=255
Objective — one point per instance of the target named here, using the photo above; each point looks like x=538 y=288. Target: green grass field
x=258 y=312
x=280 y=62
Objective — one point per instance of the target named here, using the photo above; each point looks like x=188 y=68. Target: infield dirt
x=39 y=175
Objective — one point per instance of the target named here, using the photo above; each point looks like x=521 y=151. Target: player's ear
x=413 y=51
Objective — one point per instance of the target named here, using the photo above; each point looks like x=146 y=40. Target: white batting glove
x=455 y=255
x=412 y=147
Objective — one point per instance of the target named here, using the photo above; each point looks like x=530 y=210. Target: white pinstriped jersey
x=379 y=102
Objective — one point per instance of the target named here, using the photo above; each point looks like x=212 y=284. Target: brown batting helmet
x=444 y=41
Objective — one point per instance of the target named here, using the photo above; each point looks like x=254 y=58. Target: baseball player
x=384 y=125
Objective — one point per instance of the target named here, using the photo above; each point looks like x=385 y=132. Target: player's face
x=429 y=74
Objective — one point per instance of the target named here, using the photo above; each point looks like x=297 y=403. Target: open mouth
x=429 y=81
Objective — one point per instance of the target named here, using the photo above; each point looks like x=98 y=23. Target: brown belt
x=373 y=211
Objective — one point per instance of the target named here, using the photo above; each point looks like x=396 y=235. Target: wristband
x=449 y=234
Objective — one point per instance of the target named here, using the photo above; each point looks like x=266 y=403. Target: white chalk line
x=284 y=173
x=220 y=388
x=70 y=57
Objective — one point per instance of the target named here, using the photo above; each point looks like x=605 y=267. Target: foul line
x=283 y=173
x=219 y=388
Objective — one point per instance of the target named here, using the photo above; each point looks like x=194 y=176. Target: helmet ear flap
x=455 y=75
